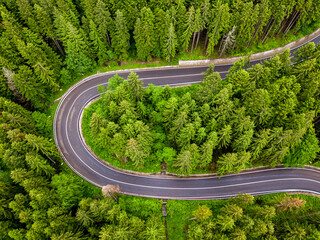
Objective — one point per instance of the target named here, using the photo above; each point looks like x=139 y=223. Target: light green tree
x=120 y=36
x=184 y=163
x=188 y=29
x=170 y=43
x=144 y=34
x=218 y=25
x=135 y=153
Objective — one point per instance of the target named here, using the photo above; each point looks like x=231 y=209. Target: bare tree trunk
x=297 y=30
x=193 y=39
x=278 y=28
x=114 y=198
x=221 y=44
x=198 y=39
x=283 y=23
x=234 y=44
x=108 y=37
x=266 y=28
x=50 y=159
x=265 y=36
x=292 y=22
x=223 y=49
x=255 y=32
x=291 y=18
x=58 y=46
x=206 y=41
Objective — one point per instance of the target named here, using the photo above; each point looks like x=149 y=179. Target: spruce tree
x=170 y=44
x=103 y=20
x=144 y=34
x=188 y=29
x=218 y=25
x=97 y=44
x=30 y=87
x=120 y=37
x=161 y=26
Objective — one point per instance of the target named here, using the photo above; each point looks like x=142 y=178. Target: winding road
x=81 y=161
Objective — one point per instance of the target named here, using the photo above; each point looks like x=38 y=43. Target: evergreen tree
x=184 y=163
x=263 y=18
x=188 y=29
x=72 y=38
x=41 y=144
x=120 y=36
x=225 y=136
x=198 y=26
x=178 y=15
x=206 y=153
x=218 y=25
x=170 y=44
x=103 y=20
x=29 y=86
x=97 y=44
x=26 y=12
x=144 y=34
x=135 y=153
x=161 y=27
x=135 y=85
x=245 y=16
x=45 y=23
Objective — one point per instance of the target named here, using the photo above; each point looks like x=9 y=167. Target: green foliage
x=98 y=44
x=144 y=34
x=263 y=115
x=70 y=189
x=188 y=29
x=305 y=153
x=48 y=45
x=43 y=123
x=243 y=217
x=78 y=63
x=202 y=213
x=230 y=124
x=114 y=82
x=170 y=43
x=184 y=163
x=120 y=36
x=220 y=24
x=41 y=144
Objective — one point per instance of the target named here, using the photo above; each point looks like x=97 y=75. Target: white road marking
x=78 y=133
x=222 y=196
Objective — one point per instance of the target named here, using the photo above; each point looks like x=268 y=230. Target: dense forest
x=245 y=217
x=47 y=43
x=262 y=115
x=40 y=198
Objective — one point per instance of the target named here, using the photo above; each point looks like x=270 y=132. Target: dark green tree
x=120 y=36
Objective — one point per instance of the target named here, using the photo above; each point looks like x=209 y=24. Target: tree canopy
x=247 y=119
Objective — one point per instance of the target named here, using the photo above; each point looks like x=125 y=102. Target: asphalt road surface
x=81 y=161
